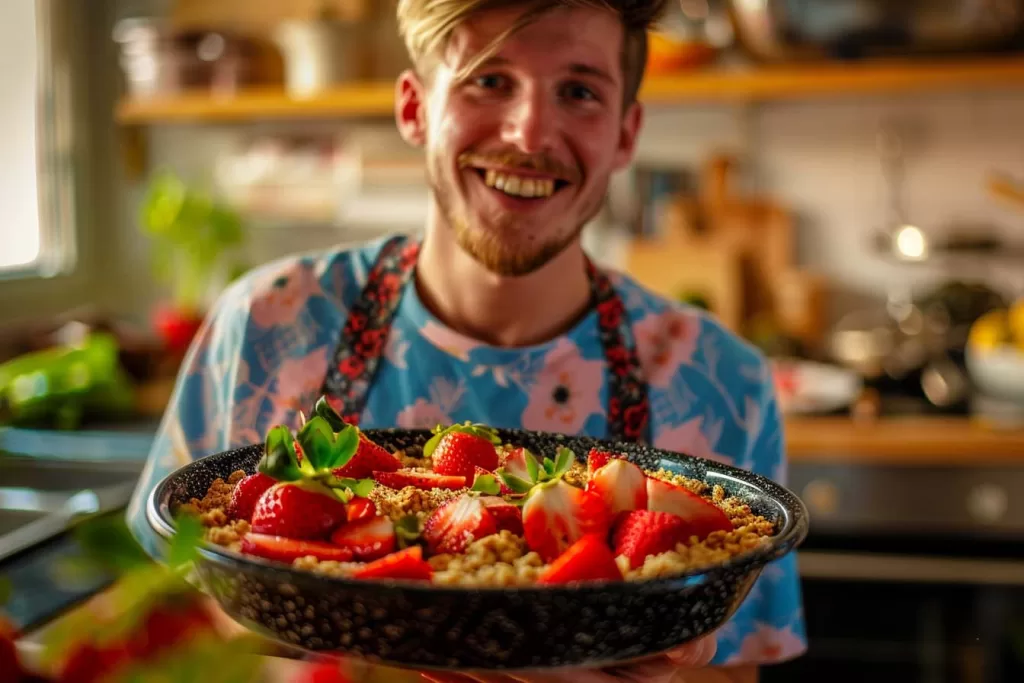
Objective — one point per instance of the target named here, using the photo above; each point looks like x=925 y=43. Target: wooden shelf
x=717 y=85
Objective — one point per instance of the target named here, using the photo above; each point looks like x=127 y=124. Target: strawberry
x=168 y=625
x=369 y=458
x=457 y=523
x=621 y=484
x=506 y=515
x=10 y=663
x=459 y=454
x=703 y=515
x=404 y=564
x=596 y=459
x=421 y=480
x=557 y=514
x=644 y=532
x=302 y=511
x=288 y=549
x=360 y=508
x=588 y=559
x=368 y=538
x=326 y=671
x=516 y=465
x=502 y=489
x=246 y=493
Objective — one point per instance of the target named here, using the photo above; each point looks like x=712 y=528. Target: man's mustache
x=512 y=160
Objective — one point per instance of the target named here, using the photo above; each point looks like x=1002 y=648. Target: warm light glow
x=910 y=242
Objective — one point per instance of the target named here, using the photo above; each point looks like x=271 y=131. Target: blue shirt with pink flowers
x=264 y=350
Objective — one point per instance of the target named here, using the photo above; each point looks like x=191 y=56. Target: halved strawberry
x=643 y=532
x=702 y=515
x=621 y=484
x=246 y=494
x=516 y=465
x=460 y=453
x=369 y=458
x=284 y=549
x=502 y=489
x=367 y=538
x=294 y=510
x=421 y=480
x=403 y=564
x=557 y=514
x=361 y=508
x=588 y=559
x=506 y=515
x=457 y=523
x=596 y=459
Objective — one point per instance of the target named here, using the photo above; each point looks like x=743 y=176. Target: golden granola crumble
x=577 y=474
x=413 y=461
x=500 y=559
x=398 y=503
x=230 y=534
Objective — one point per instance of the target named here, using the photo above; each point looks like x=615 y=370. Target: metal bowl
x=412 y=625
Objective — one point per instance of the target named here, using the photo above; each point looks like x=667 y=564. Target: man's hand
x=668 y=668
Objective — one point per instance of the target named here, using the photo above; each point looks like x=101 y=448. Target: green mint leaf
x=363 y=487
x=317 y=440
x=280 y=464
x=185 y=544
x=431 y=445
x=486 y=483
x=341 y=493
x=346 y=443
x=549 y=467
x=563 y=461
x=531 y=466
x=324 y=410
x=515 y=483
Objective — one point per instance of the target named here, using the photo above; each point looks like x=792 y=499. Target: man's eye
x=576 y=91
x=489 y=81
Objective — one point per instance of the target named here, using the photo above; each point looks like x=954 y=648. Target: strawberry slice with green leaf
x=621 y=484
x=702 y=515
x=287 y=550
x=557 y=514
x=300 y=510
x=459 y=449
x=454 y=525
x=522 y=472
x=368 y=538
x=588 y=559
x=421 y=480
x=407 y=564
x=486 y=482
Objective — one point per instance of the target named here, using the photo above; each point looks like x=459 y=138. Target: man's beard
x=486 y=246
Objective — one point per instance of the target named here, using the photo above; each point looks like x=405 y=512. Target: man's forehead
x=577 y=35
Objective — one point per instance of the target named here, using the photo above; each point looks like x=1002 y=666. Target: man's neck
x=501 y=311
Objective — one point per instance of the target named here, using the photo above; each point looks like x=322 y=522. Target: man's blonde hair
x=427 y=25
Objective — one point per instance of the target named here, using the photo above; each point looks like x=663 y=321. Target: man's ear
x=632 y=121
x=411 y=108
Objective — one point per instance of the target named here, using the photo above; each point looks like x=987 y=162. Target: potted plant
x=196 y=244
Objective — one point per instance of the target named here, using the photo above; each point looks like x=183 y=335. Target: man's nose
x=530 y=123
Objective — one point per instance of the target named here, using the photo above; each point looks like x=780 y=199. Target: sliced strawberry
x=298 y=511
x=460 y=453
x=641 y=533
x=457 y=523
x=503 y=490
x=557 y=514
x=246 y=494
x=621 y=484
x=369 y=458
x=404 y=564
x=507 y=517
x=288 y=549
x=361 y=508
x=588 y=559
x=596 y=459
x=703 y=515
x=421 y=480
x=367 y=538
x=516 y=465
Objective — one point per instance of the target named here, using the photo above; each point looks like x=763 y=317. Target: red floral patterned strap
x=369 y=322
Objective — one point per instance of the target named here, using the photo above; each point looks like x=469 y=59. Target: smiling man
x=523 y=110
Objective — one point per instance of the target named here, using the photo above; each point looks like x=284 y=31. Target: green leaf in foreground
x=486 y=483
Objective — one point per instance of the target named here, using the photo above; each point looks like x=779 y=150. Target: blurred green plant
x=196 y=240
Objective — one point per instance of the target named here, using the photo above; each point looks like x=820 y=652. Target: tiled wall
x=818 y=158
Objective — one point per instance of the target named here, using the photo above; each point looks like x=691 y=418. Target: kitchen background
x=840 y=181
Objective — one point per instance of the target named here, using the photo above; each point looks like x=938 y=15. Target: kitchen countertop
x=912 y=440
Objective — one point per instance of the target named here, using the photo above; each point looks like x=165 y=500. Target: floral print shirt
x=263 y=353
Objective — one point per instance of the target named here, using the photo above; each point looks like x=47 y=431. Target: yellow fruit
x=990 y=331
x=1015 y=321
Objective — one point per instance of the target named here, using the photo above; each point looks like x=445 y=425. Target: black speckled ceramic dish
x=413 y=625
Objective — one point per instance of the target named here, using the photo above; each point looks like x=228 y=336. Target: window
x=36 y=174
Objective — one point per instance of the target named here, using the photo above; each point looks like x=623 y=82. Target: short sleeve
x=196 y=422
x=769 y=627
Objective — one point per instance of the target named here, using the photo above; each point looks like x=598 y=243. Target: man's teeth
x=518 y=186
